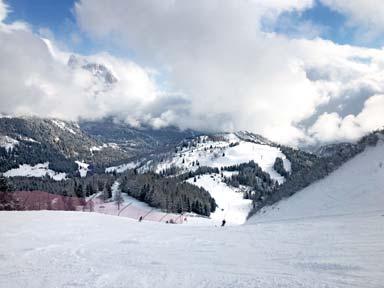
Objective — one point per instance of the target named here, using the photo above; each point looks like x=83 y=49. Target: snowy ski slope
x=43 y=249
x=231 y=205
x=355 y=188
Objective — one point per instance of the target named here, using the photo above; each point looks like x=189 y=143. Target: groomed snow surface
x=79 y=249
x=356 y=187
x=330 y=234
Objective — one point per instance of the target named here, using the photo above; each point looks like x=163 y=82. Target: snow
x=28 y=139
x=96 y=148
x=8 y=143
x=122 y=168
x=63 y=126
x=356 y=187
x=39 y=170
x=83 y=168
x=231 y=205
x=101 y=147
x=222 y=155
x=78 y=249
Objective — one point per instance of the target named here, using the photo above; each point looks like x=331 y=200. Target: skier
x=141 y=218
x=223 y=223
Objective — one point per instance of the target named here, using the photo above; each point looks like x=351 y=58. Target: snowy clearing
x=39 y=170
x=104 y=146
x=231 y=205
x=122 y=168
x=82 y=168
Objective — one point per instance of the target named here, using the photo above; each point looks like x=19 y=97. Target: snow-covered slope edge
x=356 y=187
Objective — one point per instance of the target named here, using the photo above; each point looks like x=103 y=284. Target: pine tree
x=4 y=187
x=7 y=201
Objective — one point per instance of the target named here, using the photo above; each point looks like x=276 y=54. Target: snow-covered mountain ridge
x=33 y=140
x=99 y=71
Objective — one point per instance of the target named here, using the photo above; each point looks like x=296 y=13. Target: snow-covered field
x=38 y=170
x=75 y=249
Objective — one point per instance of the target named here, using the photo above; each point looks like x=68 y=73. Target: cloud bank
x=204 y=65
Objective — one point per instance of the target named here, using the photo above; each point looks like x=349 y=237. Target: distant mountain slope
x=224 y=150
x=356 y=187
x=136 y=141
x=32 y=140
x=100 y=72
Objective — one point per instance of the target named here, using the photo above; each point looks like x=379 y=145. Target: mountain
x=136 y=141
x=242 y=171
x=245 y=172
x=55 y=146
x=235 y=168
x=99 y=71
x=32 y=140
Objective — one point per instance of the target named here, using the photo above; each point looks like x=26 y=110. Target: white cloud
x=218 y=71
x=331 y=127
x=235 y=75
x=367 y=14
x=36 y=80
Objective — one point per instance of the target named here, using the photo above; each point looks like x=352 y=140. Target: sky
x=296 y=71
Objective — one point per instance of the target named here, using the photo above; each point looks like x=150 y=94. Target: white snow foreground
x=75 y=249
